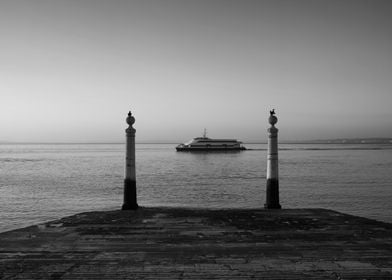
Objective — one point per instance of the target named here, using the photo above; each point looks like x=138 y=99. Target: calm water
x=44 y=182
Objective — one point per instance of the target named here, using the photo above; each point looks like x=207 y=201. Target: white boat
x=207 y=144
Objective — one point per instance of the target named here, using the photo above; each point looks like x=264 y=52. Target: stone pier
x=179 y=243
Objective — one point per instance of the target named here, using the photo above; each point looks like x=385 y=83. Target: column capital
x=273 y=130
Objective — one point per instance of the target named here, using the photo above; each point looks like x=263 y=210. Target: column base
x=130 y=200
x=272 y=206
x=129 y=207
x=272 y=200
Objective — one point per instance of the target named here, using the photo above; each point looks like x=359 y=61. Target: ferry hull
x=209 y=149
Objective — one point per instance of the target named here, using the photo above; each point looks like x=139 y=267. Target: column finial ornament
x=130 y=121
x=272 y=118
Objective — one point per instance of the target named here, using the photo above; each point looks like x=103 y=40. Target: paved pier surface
x=175 y=243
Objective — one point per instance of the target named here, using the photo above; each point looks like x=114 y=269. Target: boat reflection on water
x=205 y=144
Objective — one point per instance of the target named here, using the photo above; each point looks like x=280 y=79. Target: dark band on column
x=130 y=201
x=272 y=201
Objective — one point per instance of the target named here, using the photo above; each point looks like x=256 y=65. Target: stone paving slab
x=179 y=243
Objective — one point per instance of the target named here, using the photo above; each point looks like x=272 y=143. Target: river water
x=42 y=182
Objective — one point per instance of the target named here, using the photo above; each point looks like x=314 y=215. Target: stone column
x=272 y=198
x=130 y=201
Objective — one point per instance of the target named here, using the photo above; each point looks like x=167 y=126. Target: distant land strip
x=318 y=141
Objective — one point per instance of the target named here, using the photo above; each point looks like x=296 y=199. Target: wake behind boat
x=205 y=144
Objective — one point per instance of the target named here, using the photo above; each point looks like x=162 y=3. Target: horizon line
x=316 y=141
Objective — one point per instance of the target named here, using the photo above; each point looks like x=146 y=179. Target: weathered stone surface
x=176 y=243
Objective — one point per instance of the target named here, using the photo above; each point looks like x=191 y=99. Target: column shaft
x=130 y=196
x=272 y=194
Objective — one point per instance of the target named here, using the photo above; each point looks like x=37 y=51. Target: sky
x=70 y=70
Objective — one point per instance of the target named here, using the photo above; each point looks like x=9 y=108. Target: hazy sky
x=71 y=69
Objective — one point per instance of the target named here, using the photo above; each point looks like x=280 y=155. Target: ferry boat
x=205 y=144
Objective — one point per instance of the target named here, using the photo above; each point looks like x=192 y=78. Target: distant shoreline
x=323 y=141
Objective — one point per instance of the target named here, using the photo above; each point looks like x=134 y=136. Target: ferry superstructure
x=207 y=144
